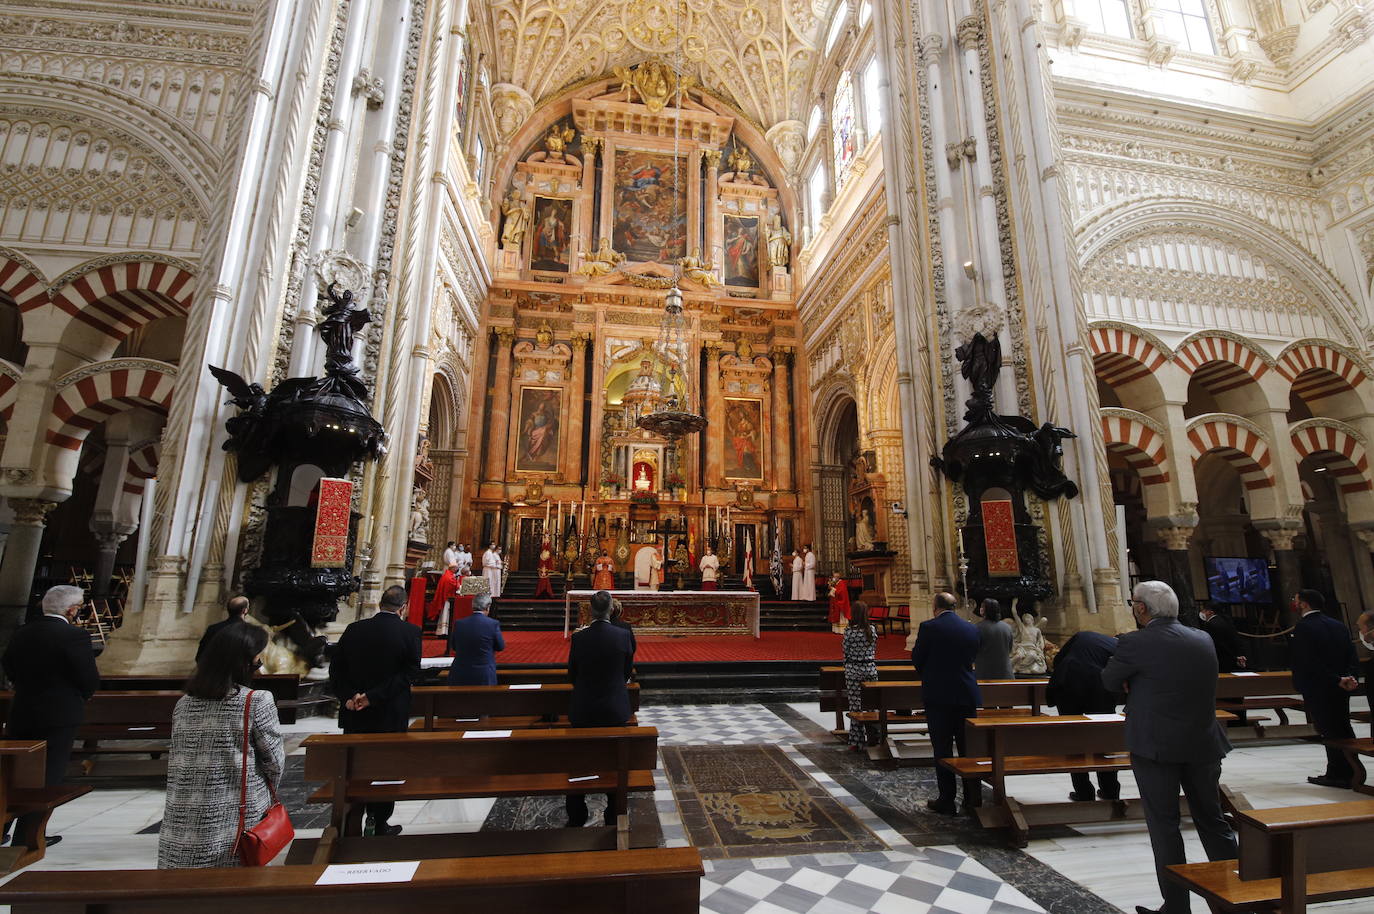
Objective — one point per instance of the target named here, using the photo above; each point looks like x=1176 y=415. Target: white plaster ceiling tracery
x=757 y=54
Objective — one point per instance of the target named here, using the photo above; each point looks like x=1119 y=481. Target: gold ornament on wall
x=654 y=81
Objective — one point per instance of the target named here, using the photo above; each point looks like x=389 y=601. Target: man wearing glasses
x=1169 y=674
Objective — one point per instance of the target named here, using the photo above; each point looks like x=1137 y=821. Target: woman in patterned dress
x=860 y=642
x=200 y=822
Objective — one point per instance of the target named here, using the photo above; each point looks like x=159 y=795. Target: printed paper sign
x=357 y=873
x=485 y=734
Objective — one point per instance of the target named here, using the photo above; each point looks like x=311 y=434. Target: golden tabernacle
x=719 y=612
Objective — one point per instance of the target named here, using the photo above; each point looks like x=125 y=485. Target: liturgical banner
x=330 y=549
x=999 y=538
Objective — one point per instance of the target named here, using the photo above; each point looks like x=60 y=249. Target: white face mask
x=1367 y=640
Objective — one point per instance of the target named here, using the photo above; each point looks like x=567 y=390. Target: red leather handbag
x=259 y=845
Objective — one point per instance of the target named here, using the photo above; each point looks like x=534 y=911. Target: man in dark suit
x=946 y=647
x=237 y=608
x=51 y=666
x=618 y=620
x=1366 y=626
x=1169 y=674
x=374 y=664
x=1325 y=671
x=1076 y=688
x=475 y=641
x=600 y=660
x=1225 y=638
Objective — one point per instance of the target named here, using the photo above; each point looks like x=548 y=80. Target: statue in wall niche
x=1028 y=644
x=601 y=261
x=419 y=516
x=697 y=270
x=779 y=242
x=863 y=530
x=517 y=220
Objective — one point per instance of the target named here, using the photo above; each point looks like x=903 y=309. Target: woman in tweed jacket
x=201 y=820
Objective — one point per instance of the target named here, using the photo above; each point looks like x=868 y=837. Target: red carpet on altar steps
x=549 y=647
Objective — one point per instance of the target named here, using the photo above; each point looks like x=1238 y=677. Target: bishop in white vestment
x=808 y=584
x=491 y=569
x=797 y=566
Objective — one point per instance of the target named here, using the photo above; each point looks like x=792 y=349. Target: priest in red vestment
x=839 y=603
x=443 y=592
x=545 y=586
x=603 y=573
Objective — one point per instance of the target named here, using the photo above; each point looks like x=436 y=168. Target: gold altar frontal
x=678 y=612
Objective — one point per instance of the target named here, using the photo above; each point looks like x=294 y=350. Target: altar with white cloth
x=677 y=612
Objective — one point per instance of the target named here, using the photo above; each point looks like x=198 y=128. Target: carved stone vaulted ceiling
x=757 y=53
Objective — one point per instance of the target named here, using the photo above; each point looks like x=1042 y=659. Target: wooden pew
x=511 y=676
x=498 y=707
x=285 y=689
x=1353 y=749
x=1002 y=747
x=119 y=717
x=887 y=698
x=1241 y=693
x=834 y=698
x=362 y=768
x=657 y=880
x=22 y=793
x=1290 y=857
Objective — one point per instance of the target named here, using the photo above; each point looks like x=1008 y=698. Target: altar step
x=521 y=585
x=518 y=614
x=728 y=681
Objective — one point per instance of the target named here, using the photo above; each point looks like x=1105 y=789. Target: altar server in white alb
x=491 y=569
x=709 y=566
x=808 y=584
x=450 y=554
x=464 y=559
x=797 y=566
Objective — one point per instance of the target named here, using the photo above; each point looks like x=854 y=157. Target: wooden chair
x=662 y=880
x=1290 y=857
x=902 y=618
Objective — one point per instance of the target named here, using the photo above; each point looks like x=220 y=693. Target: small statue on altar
x=601 y=261
x=603 y=573
x=710 y=568
x=517 y=220
x=1028 y=644
x=642 y=481
x=545 y=586
x=681 y=562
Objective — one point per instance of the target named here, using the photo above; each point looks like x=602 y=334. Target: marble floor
x=931 y=863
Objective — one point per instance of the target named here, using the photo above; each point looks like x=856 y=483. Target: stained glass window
x=843 y=129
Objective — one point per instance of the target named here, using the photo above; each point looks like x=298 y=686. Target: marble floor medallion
x=752 y=801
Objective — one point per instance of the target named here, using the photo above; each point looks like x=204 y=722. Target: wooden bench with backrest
x=1290 y=857
x=519 y=675
x=1001 y=747
x=832 y=694
x=1354 y=749
x=662 y=880
x=285 y=689
x=1241 y=693
x=22 y=792
x=378 y=767
x=900 y=702
x=498 y=707
x=114 y=720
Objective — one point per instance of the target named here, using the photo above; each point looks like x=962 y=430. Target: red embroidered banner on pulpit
x=330 y=548
x=999 y=538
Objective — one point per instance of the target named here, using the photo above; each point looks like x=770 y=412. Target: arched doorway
x=839 y=444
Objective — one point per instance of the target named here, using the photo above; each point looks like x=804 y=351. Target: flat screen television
x=1238 y=580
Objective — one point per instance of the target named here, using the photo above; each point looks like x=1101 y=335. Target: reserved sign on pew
x=486 y=734
x=524 y=685
x=360 y=873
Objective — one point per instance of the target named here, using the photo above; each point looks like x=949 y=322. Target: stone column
x=715 y=418
x=1286 y=558
x=589 y=225
x=17 y=566
x=108 y=543
x=1179 y=574
x=715 y=252
x=782 y=420
x=498 y=426
x=573 y=456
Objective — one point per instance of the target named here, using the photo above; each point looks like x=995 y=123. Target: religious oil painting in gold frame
x=536 y=446
x=552 y=234
x=650 y=222
x=741 y=251
x=744 y=439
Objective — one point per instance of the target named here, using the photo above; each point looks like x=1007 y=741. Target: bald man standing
x=237 y=608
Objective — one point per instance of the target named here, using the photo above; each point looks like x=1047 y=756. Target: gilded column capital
x=580 y=341
x=713 y=348
x=31 y=512
x=782 y=356
x=592 y=145
x=505 y=336
x=712 y=157
x=1175 y=538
